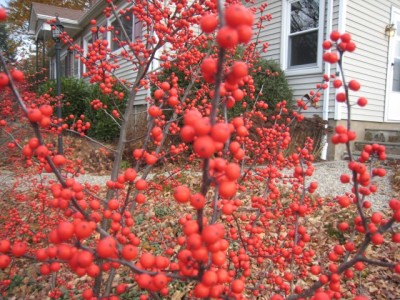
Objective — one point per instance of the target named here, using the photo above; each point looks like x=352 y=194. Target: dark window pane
x=62 y=67
x=138 y=29
x=396 y=75
x=304 y=15
x=127 y=23
x=303 y=49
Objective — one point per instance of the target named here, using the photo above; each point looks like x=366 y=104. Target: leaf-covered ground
x=156 y=221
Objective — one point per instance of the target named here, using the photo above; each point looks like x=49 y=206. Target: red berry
x=208 y=23
x=42 y=151
x=327 y=45
x=350 y=46
x=315 y=270
x=337 y=83
x=182 y=194
x=3 y=14
x=204 y=146
x=245 y=33
x=197 y=201
x=345 y=37
x=362 y=101
x=322 y=296
x=34 y=115
x=165 y=86
x=377 y=239
x=5 y=260
x=147 y=260
x=129 y=252
x=237 y=14
x=354 y=85
x=46 y=110
x=4 y=80
x=239 y=69
x=106 y=247
x=220 y=132
x=227 y=37
x=237 y=286
x=335 y=35
x=17 y=75
x=344 y=178
x=341 y=97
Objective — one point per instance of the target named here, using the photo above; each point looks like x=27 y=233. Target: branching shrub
x=235 y=219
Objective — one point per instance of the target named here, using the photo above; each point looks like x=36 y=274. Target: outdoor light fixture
x=390 y=30
x=56 y=33
x=57 y=30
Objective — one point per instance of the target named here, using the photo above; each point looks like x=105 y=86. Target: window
x=68 y=64
x=87 y=40
x=63 y=66
x=75 y=66
x=303 y=34
x=53 y=68
x=132 y=27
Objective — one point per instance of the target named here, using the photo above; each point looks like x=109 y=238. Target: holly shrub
x=234 y=220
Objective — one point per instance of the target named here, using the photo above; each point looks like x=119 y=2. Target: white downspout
x=325 y=107
x=341 y=29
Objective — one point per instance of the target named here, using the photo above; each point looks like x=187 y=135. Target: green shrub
x=268 y=75
x=78 y=95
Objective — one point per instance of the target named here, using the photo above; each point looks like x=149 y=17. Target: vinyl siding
x=368 y=64
x=126 y=70
x=272 y=32
x=366 y=23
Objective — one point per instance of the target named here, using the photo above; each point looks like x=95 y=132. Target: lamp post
x=56 y=33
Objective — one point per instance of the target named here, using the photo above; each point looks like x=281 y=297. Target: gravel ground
x=326 y=174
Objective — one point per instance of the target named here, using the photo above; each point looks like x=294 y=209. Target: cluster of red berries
x=235 y=77
x=41 y=151
x=201 y=247
x=16 y=75
x=97 y=104
x=80 y=126
x=343 y=42
x=342 y=135
x=41 y=115
x=169 y=94
x=149 y=158
x=238 y=28
x=207 y=138
x=370 y=150
x=157 y=264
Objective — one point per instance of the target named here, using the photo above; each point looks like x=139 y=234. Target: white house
x=295 y=34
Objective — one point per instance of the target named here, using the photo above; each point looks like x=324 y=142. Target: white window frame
x=86 y=43
x=76 y=71
x=111 y=34
x=53 y=68
x=302 y=69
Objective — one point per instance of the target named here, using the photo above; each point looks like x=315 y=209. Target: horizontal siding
x=368 y=64
x=271 y=31
x=126 y=70
x=302 y=85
